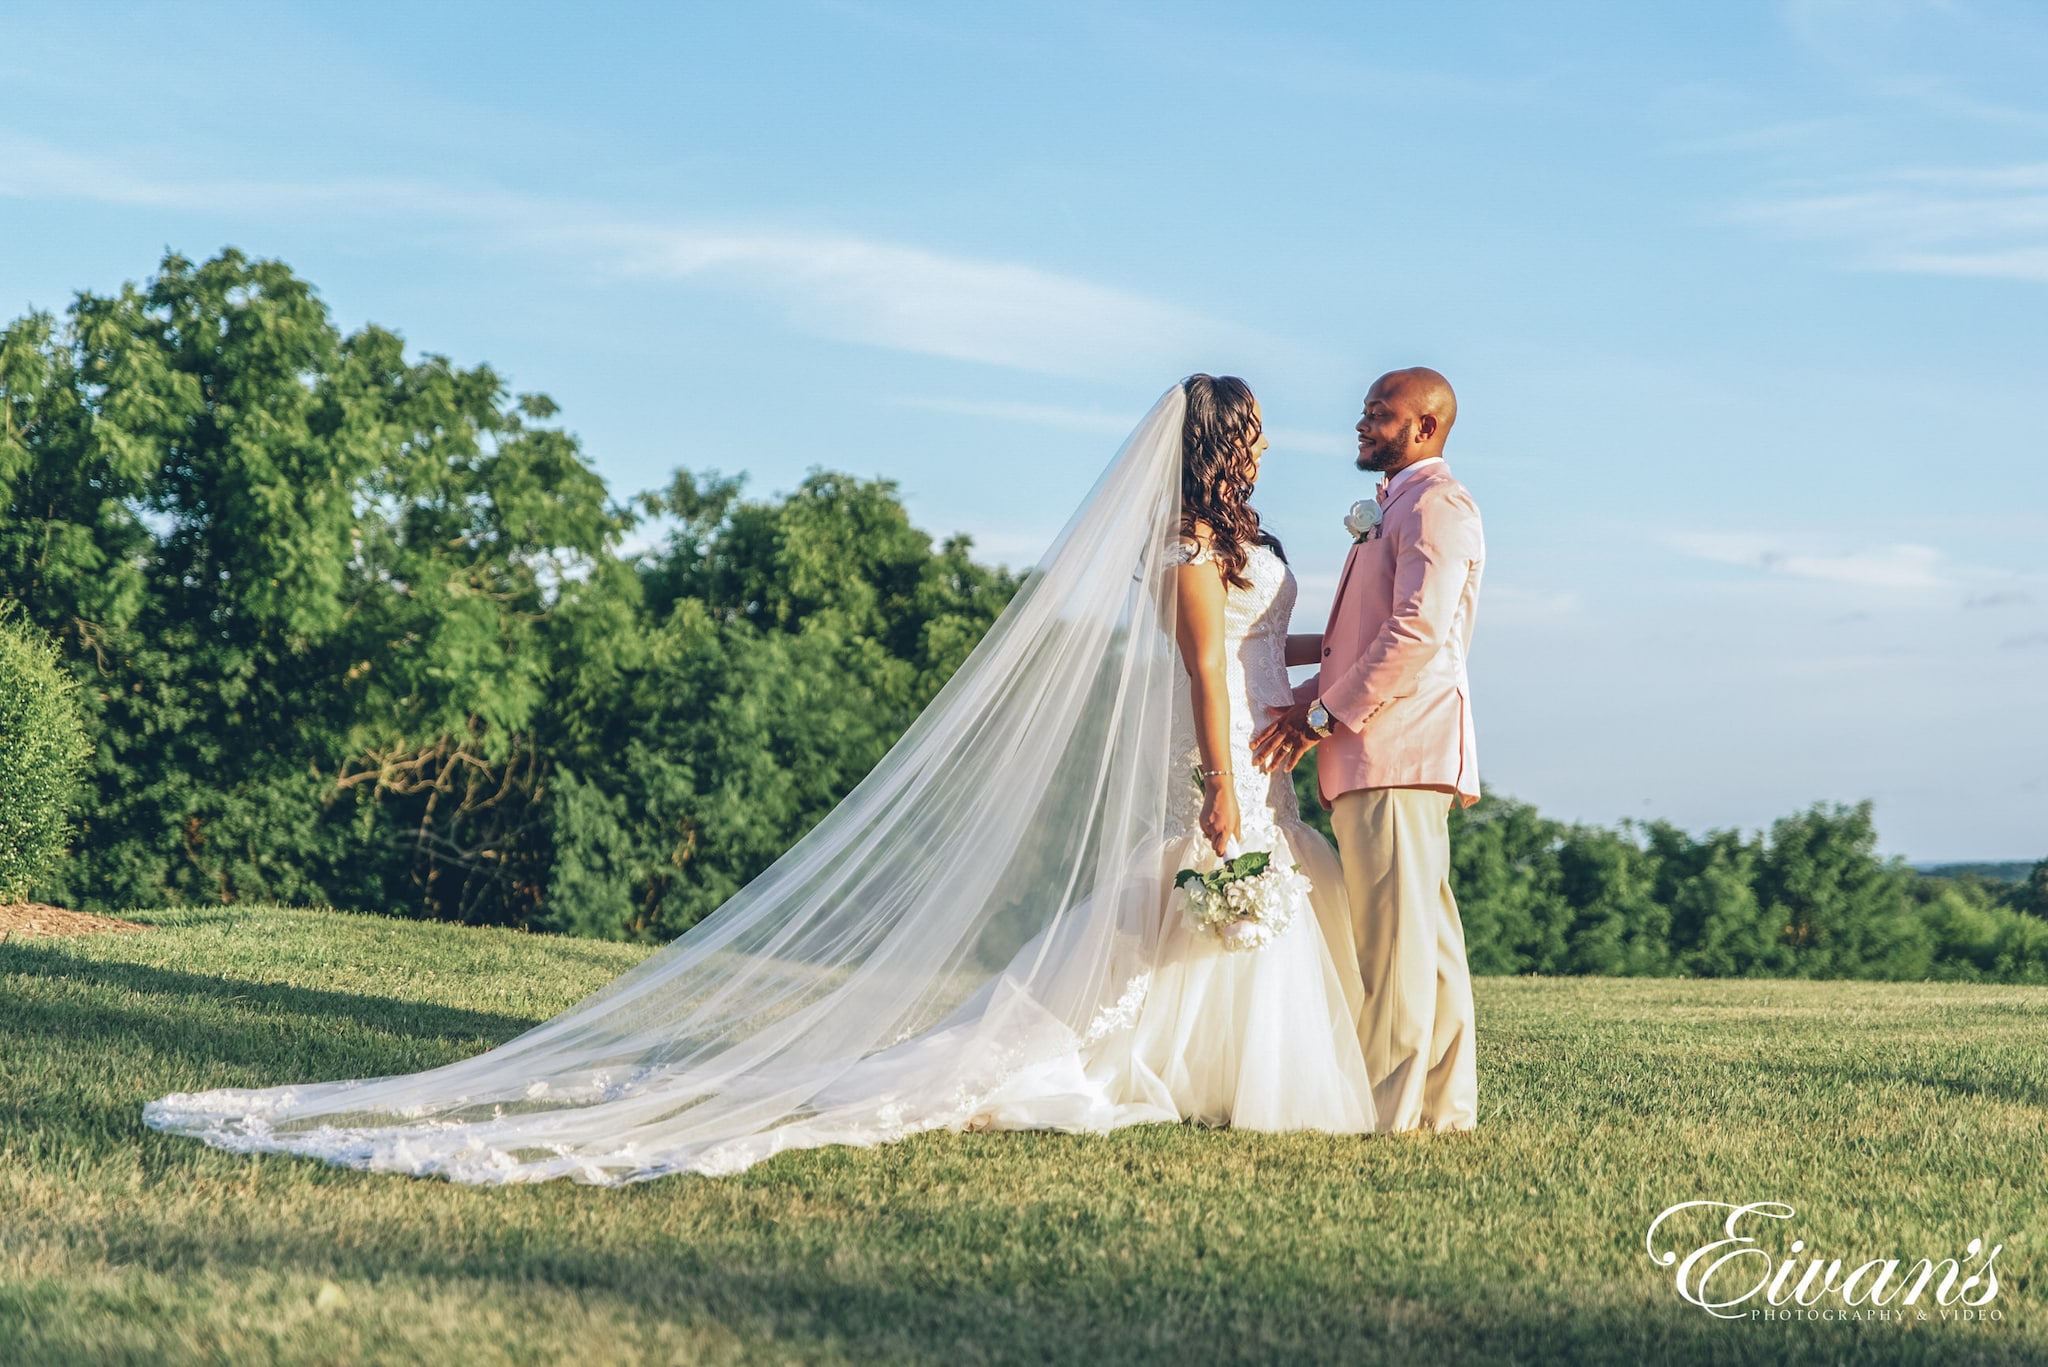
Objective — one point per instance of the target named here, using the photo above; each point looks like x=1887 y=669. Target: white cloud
x=1905 y=567
x=1506 y=605
x=1111 y=424
x=911 y=299
x=1018 y=548
x=1981 y=221
x=1768 y=137
x=1949 y=58
x=1899 y=70
x=37 y=170
x=2026 y=263
x=1041 y=415
x=836 y=286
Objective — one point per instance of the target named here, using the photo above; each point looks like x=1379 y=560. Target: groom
x=1391 y=709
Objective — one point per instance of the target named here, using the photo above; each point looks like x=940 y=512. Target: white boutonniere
x=1363 y=517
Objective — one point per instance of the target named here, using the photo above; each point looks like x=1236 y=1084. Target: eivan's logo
x=1716 y=1276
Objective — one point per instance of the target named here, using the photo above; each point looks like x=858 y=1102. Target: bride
x=985 y=933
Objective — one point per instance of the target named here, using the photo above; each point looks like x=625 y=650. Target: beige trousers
x=1416 y=1025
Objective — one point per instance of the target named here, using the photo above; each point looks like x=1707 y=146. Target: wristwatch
x=1319 y=718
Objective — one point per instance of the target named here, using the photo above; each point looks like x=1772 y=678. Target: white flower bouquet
x=1244 y=902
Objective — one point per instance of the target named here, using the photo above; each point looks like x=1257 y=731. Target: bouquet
x=1244 y=902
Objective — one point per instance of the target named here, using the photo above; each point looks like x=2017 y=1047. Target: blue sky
x=1746 y=304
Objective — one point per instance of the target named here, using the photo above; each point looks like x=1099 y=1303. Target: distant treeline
x=358 y=629
x=2008 y=871
x=1808 y=899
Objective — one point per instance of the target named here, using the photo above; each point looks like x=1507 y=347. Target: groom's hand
x=1285 y=739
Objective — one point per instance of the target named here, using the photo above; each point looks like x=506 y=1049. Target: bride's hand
x=1219 y=813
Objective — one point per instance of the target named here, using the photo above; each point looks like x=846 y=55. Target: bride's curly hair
x=1216 y=441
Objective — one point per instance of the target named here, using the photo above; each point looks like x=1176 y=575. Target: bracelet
x=1215 y=773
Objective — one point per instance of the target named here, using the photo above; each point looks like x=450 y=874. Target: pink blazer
x=1393 y=669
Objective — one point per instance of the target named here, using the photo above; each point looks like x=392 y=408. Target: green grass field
x=1900 y=1120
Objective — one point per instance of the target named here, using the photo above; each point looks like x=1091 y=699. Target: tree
x=792 y=642
x=2033 y=896
x=1718 y=928
x=309 y=590
x=1505 y=875
x=1618 y=926
x=43 y=747
x=1835 y=905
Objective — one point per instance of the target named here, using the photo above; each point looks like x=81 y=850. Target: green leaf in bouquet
x=1250 y=863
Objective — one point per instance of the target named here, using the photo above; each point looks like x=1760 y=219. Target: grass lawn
x=1900 y=1121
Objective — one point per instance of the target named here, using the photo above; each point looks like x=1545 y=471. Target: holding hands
x=1284 y=740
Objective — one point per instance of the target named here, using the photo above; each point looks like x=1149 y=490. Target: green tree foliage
x=314 y=594
x=1509 y=882
x=2033 y=895
x=43 y=750
x=790 y=645
x=1810 y=898
x=1718 y=927
x=358 y=629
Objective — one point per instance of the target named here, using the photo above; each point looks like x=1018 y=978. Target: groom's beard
x=1378 y=458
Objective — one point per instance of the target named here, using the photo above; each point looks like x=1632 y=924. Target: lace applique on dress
x=1183 y=550
x=1255 y=674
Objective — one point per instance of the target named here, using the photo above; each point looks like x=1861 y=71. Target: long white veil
x=986 y=900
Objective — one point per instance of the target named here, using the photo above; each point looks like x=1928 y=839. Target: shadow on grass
x=193 y=1029
x=1171 y=1310
x=2035 y=1094
x=2000 y=1078
x=380 y=1013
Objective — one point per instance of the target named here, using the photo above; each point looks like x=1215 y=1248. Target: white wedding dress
x=979 y=936
x=1261 y=1039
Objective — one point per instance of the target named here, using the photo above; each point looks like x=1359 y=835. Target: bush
x=43 y=749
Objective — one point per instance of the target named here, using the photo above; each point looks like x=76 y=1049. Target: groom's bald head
x=1426 y=392
x=1408 y=415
